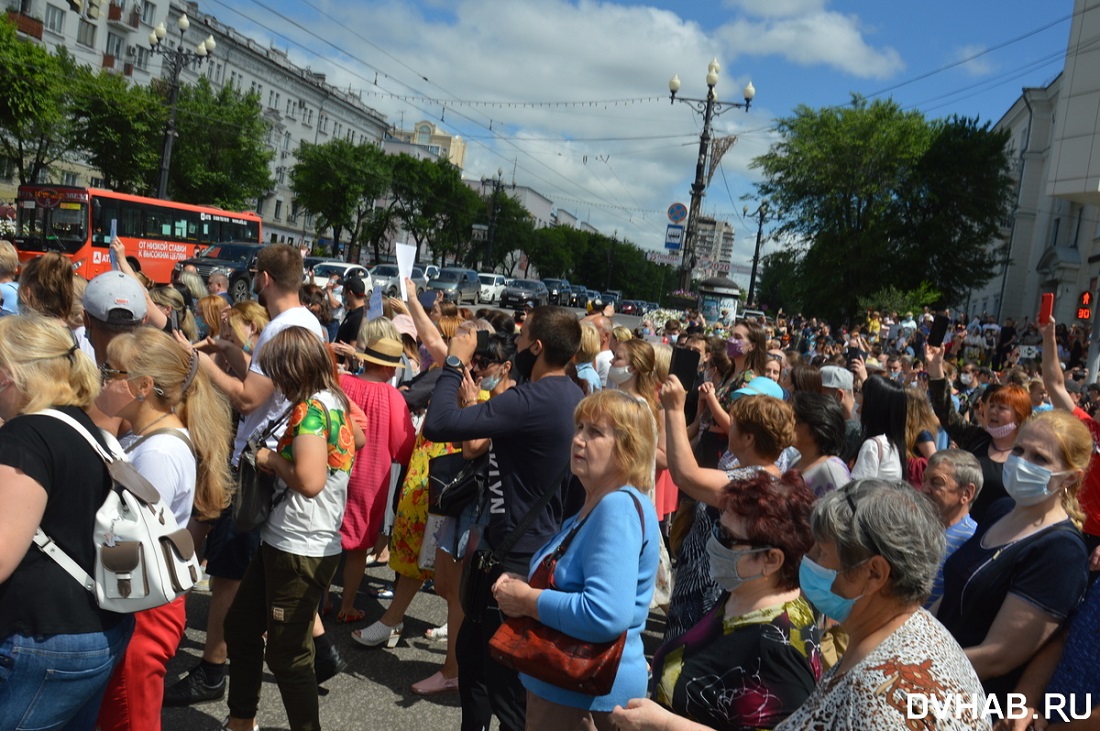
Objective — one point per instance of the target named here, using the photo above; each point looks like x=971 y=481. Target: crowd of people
x=827 y=522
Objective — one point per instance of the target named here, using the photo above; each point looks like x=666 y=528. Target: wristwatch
x=455 y=362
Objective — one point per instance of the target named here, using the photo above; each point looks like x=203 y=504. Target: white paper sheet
x=406 y=259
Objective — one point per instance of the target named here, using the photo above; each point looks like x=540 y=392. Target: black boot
x=327 y=662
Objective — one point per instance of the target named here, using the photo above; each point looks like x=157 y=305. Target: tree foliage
x=339 y=182
x=883 y=197
x=220 y=156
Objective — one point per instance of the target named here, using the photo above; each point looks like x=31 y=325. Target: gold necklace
x=140 y=431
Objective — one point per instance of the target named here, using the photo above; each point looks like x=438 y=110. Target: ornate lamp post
x=709 y=108
x=178 y=59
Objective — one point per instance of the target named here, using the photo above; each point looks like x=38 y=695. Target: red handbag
x=530 y=647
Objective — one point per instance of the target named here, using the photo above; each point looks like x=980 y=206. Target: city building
x=299 y=103
x=1052 y=242
x=427 y=135
x=713 y=248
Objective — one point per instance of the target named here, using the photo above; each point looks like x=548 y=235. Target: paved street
x=372 y=693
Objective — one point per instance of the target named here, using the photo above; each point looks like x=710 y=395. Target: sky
x=570 y=97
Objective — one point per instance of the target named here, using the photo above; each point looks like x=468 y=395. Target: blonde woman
x=9 y=288
x=50 y=478
x=169 y=301
x=181 y=432
x=208 y=312
x=621 y=333
x=583 y=360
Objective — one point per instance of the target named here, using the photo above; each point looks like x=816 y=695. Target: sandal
x=353 y=615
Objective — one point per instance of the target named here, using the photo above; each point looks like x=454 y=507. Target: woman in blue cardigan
x=604 y=580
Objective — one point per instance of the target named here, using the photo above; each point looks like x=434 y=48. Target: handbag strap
x=271 y=426
x=506 y=546
x=105 y=454
x=169 y=431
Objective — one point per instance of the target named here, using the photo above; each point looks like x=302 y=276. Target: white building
x=1053 y=241
x=713 y=247
x=298 y=103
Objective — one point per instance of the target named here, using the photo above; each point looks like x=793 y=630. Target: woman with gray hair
x=877 y=546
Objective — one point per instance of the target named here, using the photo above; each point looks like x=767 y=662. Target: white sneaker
x=379 y=634
x=436 y=634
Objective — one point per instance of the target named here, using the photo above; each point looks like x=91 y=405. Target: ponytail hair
x=184 y=387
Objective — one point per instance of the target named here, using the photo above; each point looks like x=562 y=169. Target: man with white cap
x=839 y=383
x=114 y=303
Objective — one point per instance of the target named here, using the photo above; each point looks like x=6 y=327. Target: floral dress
x=411 y=517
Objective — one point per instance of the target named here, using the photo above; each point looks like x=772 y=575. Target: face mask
x=1027 y=483
x=490 y=382
x=247 y=347
x=1000 y=432
x=525 y=363
x=673 y=338
x=817 y=584
x=966 y=379
x=619 y=375
x=735 y=348
x=723 y=564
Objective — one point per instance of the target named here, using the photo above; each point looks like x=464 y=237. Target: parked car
x=522 y=291
x=554 y=288
x=593 y=299
x=457 y=285
x=492 y=287
x=324 y=270
x=387 y=278
x=234 y=259
x=578 y=295
x=627 y=307
x=431 y=271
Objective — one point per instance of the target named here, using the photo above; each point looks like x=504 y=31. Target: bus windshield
x=63 y=229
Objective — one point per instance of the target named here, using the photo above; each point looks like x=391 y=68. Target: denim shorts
x=453 y=532
x=57 y=681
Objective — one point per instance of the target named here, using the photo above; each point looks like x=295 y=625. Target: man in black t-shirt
x=531 y=427
x=355 y=296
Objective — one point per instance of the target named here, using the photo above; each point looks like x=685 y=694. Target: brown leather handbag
x=530 y=647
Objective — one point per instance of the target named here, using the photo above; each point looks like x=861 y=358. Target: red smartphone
x=1046 y=308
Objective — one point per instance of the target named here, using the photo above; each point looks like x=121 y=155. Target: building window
x=286 y=141
x=260 y=206
x=114 y=45
x=278 y=210
x=95 y=183
x=141 y=58
x=55 y=19
x=293 y=217
x=68 y=178
x=148 y=13
x=85 y=34
x=280 y=177
x=309 y=116
x=423 y=134
x=309 y=220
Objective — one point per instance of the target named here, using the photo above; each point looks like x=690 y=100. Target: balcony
x=118 y=17
x=26 y=24
x=108 y=61
x=128 y=69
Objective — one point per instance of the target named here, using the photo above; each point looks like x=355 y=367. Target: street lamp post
x=709 y=108
x=178 y=59
x=497 y=183
x=760 y=214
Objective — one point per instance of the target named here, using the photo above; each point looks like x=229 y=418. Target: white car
x=324 y=270
x=492 y=286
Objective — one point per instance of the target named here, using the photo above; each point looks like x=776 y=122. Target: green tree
x=119 y=128
x=221 y=154
x=35 y=104
x=339 y=182
x=881 y=197
x=433 y=204
x=777 y=287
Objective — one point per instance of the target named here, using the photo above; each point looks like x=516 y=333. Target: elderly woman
x=876 y=549
x=755 y=657
x=55 y=642
x=1002 y=601
x=604 y=580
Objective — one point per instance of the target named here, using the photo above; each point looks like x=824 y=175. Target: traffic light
x=1084 y=306
x=93 y=9
x=77 y=5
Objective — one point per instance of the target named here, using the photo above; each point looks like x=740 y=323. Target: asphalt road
x=373 y=693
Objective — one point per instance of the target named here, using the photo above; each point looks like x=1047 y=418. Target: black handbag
x=482 y=566
x=454 y=482
x=255 y=495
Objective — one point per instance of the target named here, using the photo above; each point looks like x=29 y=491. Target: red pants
x=135 y=692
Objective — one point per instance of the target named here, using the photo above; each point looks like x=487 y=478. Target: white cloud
x=982 y=66
x=776 y=8
x=816 y=38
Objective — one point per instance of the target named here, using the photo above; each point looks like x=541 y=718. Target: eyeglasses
x=480 y=364
x=729 y=540
x=106 y=373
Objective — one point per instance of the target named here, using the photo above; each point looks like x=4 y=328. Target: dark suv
x=234 y=259
x=557 y=287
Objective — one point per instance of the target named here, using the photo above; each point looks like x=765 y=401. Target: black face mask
x=525 y=363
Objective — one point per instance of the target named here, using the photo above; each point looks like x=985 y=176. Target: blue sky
x=620 y=165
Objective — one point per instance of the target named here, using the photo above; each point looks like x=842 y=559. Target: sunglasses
x=729 y=540
x=106 y=373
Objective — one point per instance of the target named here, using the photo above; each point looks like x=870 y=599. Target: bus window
x=157 y=224
x=129 y=219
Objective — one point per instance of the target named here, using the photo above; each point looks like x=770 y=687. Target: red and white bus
x=76 y=222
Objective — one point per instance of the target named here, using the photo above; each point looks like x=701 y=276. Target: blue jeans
x=56 y=682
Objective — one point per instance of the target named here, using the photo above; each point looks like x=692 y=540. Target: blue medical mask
x=723 y=564
x=817 y=584
x=1027 y=483
x=490 y=382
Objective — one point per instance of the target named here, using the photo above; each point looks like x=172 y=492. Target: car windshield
x=447 y=276
x=327 y=270
x=227 y=252
x=418 y=273
x=487 y=278
x=384 y=270
x=525 y=284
